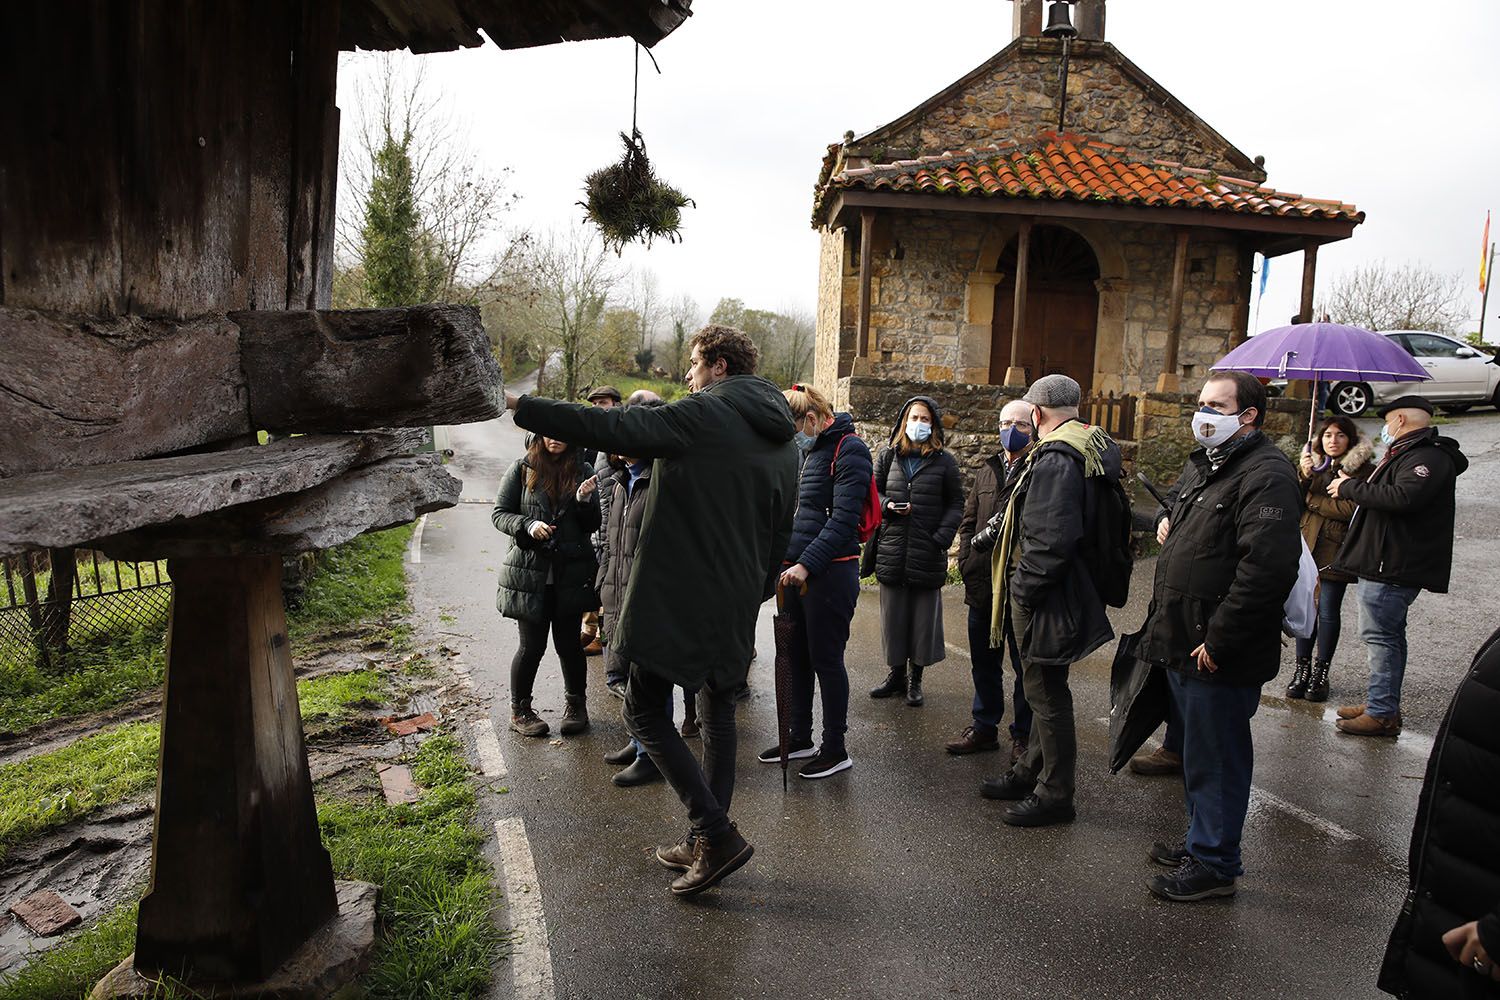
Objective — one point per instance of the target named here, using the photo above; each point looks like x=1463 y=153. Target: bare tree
x=573 y=276
x=788 y=349
x=686 y=318
x=462 y=205
x=1381 y=296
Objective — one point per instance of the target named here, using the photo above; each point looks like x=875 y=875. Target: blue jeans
x=1330 y=622
x=1382 y=625
x=1217 y=759
x=988 y=668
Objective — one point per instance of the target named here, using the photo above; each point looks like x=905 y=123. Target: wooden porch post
x=1169 y=380
x=866 y=253
x=1015 y=373
x=1244 y=275
x=1309 y=280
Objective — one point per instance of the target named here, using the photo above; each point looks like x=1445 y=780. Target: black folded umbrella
x=1138 y=701
x=784 y=627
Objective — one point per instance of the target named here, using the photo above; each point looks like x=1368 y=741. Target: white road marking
x=531 y=955
x=487 y=745
x=1327 y=827
x=954 y=647
x=414 y=550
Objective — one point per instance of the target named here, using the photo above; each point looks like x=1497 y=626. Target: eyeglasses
x=1004 y=424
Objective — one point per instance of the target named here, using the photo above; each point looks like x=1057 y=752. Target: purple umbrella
x=1323 y=352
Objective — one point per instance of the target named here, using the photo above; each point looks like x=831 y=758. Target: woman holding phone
x=922 y=501
x=549 y=506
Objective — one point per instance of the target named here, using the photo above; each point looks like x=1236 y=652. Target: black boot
x=914 y=689
x=1317 y=687
x=1300 y=676
x=575 y=717
x=894 y=683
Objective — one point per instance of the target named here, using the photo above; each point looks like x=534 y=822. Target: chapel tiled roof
x=1067 y=167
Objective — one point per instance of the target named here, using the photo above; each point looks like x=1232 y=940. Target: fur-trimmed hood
x=1358 y=457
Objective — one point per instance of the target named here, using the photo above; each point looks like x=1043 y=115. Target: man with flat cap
x=1400 y=542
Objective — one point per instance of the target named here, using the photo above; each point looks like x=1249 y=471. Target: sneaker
x=826 y=764
x=794 y=751
x=972 y=740
x=1157 y=762
x=616 y=688
x=1169 y=853
x=1190 y=881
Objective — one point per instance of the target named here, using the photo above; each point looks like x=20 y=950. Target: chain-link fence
x=56 y=599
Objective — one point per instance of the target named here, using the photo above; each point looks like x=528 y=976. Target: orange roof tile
x=1073 y=167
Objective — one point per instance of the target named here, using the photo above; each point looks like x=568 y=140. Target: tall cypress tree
x=400 y=268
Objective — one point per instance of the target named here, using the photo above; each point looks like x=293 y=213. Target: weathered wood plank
x=82 y=392
x=370 y=498
x=71 y=506
x=314 y=65
x=354 y=368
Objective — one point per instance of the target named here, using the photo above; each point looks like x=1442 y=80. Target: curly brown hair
x=735 y=346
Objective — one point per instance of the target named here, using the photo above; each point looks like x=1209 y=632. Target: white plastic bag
x=1300 y=613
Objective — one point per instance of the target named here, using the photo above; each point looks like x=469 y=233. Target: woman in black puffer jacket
x=1446 y=943
x=820 y=576
x=549 y=506
x=922 y=502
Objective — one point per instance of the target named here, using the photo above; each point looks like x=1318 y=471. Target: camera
x=985 y=538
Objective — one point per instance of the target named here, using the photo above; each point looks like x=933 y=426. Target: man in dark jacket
x=1399 y=543
x=1446 y=942
x=983 y=509
x=1042 y=579
x=717 y=523
x=605 y=396
x=1230 y=551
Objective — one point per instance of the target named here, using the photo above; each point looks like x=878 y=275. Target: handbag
x=868 y=555
x=1299 y=615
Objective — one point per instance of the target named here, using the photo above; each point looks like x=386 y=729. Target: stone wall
x=836 y=321
x=1015 y=96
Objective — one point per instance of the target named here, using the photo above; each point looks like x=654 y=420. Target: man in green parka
x=717 y=524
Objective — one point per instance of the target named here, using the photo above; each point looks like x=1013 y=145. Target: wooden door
x=1062 y=309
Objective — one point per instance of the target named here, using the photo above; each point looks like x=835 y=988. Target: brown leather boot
x=1018 y=747
x=1159 y=761
x=575 y=717
x=713 y=860
x=1351 y=711
x=678 y=857
x=972 y=740
x=1370 y=725
x=524 y=720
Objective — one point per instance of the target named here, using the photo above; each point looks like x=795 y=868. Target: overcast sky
x=1390 y=105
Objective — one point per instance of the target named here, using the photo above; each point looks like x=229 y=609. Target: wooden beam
x=371 y=498
x=1309 y=280
x=866 y=253
x=74 y=506
x=350 y=369
x=1244 y=275
x=1015 y=373
x=1323 y=230
x=1169 y=380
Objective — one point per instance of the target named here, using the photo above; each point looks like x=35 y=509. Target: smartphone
x=900 y=506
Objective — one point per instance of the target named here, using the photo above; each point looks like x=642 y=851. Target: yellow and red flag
x=1484 y=254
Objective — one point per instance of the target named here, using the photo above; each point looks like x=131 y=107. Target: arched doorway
x=1062 y=308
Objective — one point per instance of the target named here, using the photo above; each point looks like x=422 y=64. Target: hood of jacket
x=760 y=403
x=937 y=418
x=1358 y=457
x=843 y=423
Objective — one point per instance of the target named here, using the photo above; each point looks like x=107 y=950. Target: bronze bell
x=1059 y=25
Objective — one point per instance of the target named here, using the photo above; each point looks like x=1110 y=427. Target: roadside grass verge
x=361 y=581
x=100 y=673
x=335 y=697
x=437 y=938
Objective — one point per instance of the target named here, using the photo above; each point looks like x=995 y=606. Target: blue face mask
x=1386 y=437
x=805 y=442
x=918 y=431
x=1013 y=439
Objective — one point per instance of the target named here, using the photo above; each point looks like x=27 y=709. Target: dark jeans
x=707 y=790
x=1217 y=760
x=1330 y=622
x=564 y=629
x=822 y=617
x=1051 y=757
x=988 y=668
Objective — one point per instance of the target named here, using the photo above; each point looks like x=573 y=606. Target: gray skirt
x=911 y=626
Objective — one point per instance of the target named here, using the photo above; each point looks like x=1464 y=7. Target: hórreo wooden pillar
x=1015 y=373
x=1170 y=380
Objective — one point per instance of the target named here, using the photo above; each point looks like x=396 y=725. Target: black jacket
x=1454 y=865
x=570 y=560
x=1228 y=564
x=830 y=498
x=627 y=512
x=1402 y=532
x=1057 y=504
x=992 y=488
x=913 y=547
x=717 y=520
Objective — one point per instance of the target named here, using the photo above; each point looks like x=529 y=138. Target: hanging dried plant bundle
x=628 y=202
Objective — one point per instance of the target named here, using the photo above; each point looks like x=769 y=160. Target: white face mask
x=1212 y=428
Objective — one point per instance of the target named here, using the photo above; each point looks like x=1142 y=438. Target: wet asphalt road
x=896 y=879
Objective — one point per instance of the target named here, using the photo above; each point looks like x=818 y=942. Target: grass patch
x=362 y=580
x=439 y=939
x=90 y=677
x=337 y=696
x=52 y=788
x=630 y=383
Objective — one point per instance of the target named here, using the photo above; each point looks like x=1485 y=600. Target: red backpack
x=869 y=516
